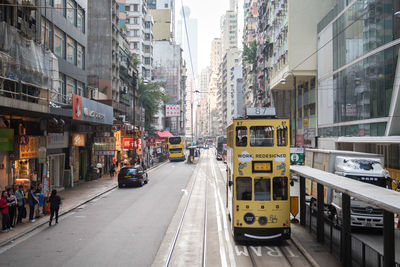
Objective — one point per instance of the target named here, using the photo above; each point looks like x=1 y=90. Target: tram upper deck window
x=241 y=136
x=262 y=189
x=243 y=188
x=282 y=135
x=262 y=136
x=280 y=188
x=174 y=140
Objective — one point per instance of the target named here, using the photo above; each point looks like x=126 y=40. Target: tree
x=151 y=97
x=250 y=53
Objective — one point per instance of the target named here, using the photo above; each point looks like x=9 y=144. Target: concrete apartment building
x=139 y=30
x=358 y=80
x=43 y=83
x=164 y=12
x=215 y=61
x=287 y=34
x=249 y=36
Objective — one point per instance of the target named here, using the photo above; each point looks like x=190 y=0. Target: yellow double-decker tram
x=257 y=188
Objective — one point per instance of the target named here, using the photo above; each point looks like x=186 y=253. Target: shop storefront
x=56 y=145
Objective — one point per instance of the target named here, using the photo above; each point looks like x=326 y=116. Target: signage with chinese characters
x=117 y=136
x=78 y=140
x=23 y=140
x=30 y=150
x=104 y=144
x=172 y=111
x=127 y=143
x=57 y=140
x=76 y=107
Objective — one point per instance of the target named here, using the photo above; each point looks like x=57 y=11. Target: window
x=81 y=20
x=136 y=33
x=280 y=188
x=241 y=136
x=46 y=32
x=147 y=37
x=80 y=88
x=147 y=49
x=70 y=88
x=136 y=7
x=59 y=42
x=175 y=140
x=261 y=136
x=147 y=24
x=166 y=5
x=71 y=48
x=127 y=8
x=71 y=11
x=135 y=45
x=282 y=133
x=59 y=5
x=262 y=189
x=80 y=59
x=243 y=188
x=147 y=61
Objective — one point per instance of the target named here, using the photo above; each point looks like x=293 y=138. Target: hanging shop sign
x=57 y=140
x=6 y=139
x=30 y=150
x=104 y=143
x=105 y=153
x=128 y=143
x=78 y=140
x=23 y=140
x=138 y=143
x=117 y=136
x=151 y=142
x=89 y=110
x=42 y=154
x=172 y=111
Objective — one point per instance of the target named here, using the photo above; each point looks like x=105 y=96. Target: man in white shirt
x=100 y=168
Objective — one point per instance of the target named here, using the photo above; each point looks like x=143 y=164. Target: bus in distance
x=175 y=148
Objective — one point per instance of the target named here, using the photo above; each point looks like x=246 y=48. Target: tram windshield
x=262 y=189
x=241 y=136
x=262 y=136
x=280 y=188
x=243 y=188
x=174 y=140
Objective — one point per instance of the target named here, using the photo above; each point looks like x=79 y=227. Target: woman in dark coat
x=55 y=202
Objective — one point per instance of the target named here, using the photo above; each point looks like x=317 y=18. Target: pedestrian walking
x=112 y=170
x=100 y=168
x=20 y=196
x=4 y=212
x=32 y=201
x=12 y=206
x=55 y=202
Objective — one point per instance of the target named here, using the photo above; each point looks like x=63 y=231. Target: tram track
x=182 y=219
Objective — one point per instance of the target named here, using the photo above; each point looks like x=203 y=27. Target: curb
x=33 y=228
x=303 y=251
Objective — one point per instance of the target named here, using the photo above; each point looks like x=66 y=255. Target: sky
x=208 y=14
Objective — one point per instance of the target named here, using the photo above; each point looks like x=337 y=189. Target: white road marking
x=221 y=241
x=257 y=250
x=273 y=252
x=184 y=191
x=239 y=252
x=221 y=206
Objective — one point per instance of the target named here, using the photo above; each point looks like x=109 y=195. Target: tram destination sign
x=260 y=111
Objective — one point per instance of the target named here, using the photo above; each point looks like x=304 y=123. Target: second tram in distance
x=258 y=176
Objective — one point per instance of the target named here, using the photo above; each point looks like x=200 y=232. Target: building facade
x=358 y=79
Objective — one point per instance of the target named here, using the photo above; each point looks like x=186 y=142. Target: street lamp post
x=283 y=81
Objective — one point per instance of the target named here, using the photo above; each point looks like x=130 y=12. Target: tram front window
x=243 y=188
x=241 y=136
x=262 y=136
x=280 y=187
x=262 y=189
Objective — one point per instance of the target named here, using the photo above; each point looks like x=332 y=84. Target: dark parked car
x=133 y=175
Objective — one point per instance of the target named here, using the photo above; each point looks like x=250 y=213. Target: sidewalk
x=71 y=199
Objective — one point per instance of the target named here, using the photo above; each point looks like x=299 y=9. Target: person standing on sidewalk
x=112 y=170
x=20 y=196
x=4 y=212
x=55 y=202
x=12 y=206
x=32 y=201
x=100 y=168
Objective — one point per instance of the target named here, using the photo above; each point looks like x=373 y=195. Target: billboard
x=172 y=111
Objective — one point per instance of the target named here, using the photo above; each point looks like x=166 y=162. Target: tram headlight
x=249 y=218
x=262 y=220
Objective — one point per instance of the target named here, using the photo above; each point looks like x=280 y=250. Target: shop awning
x=164 y=134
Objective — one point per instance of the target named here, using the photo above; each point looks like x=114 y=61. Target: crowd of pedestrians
x=13 y=206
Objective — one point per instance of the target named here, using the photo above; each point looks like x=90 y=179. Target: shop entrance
x=82 y=165
x=56 y=170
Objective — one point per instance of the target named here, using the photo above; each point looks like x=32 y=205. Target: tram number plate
x=262 y=166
